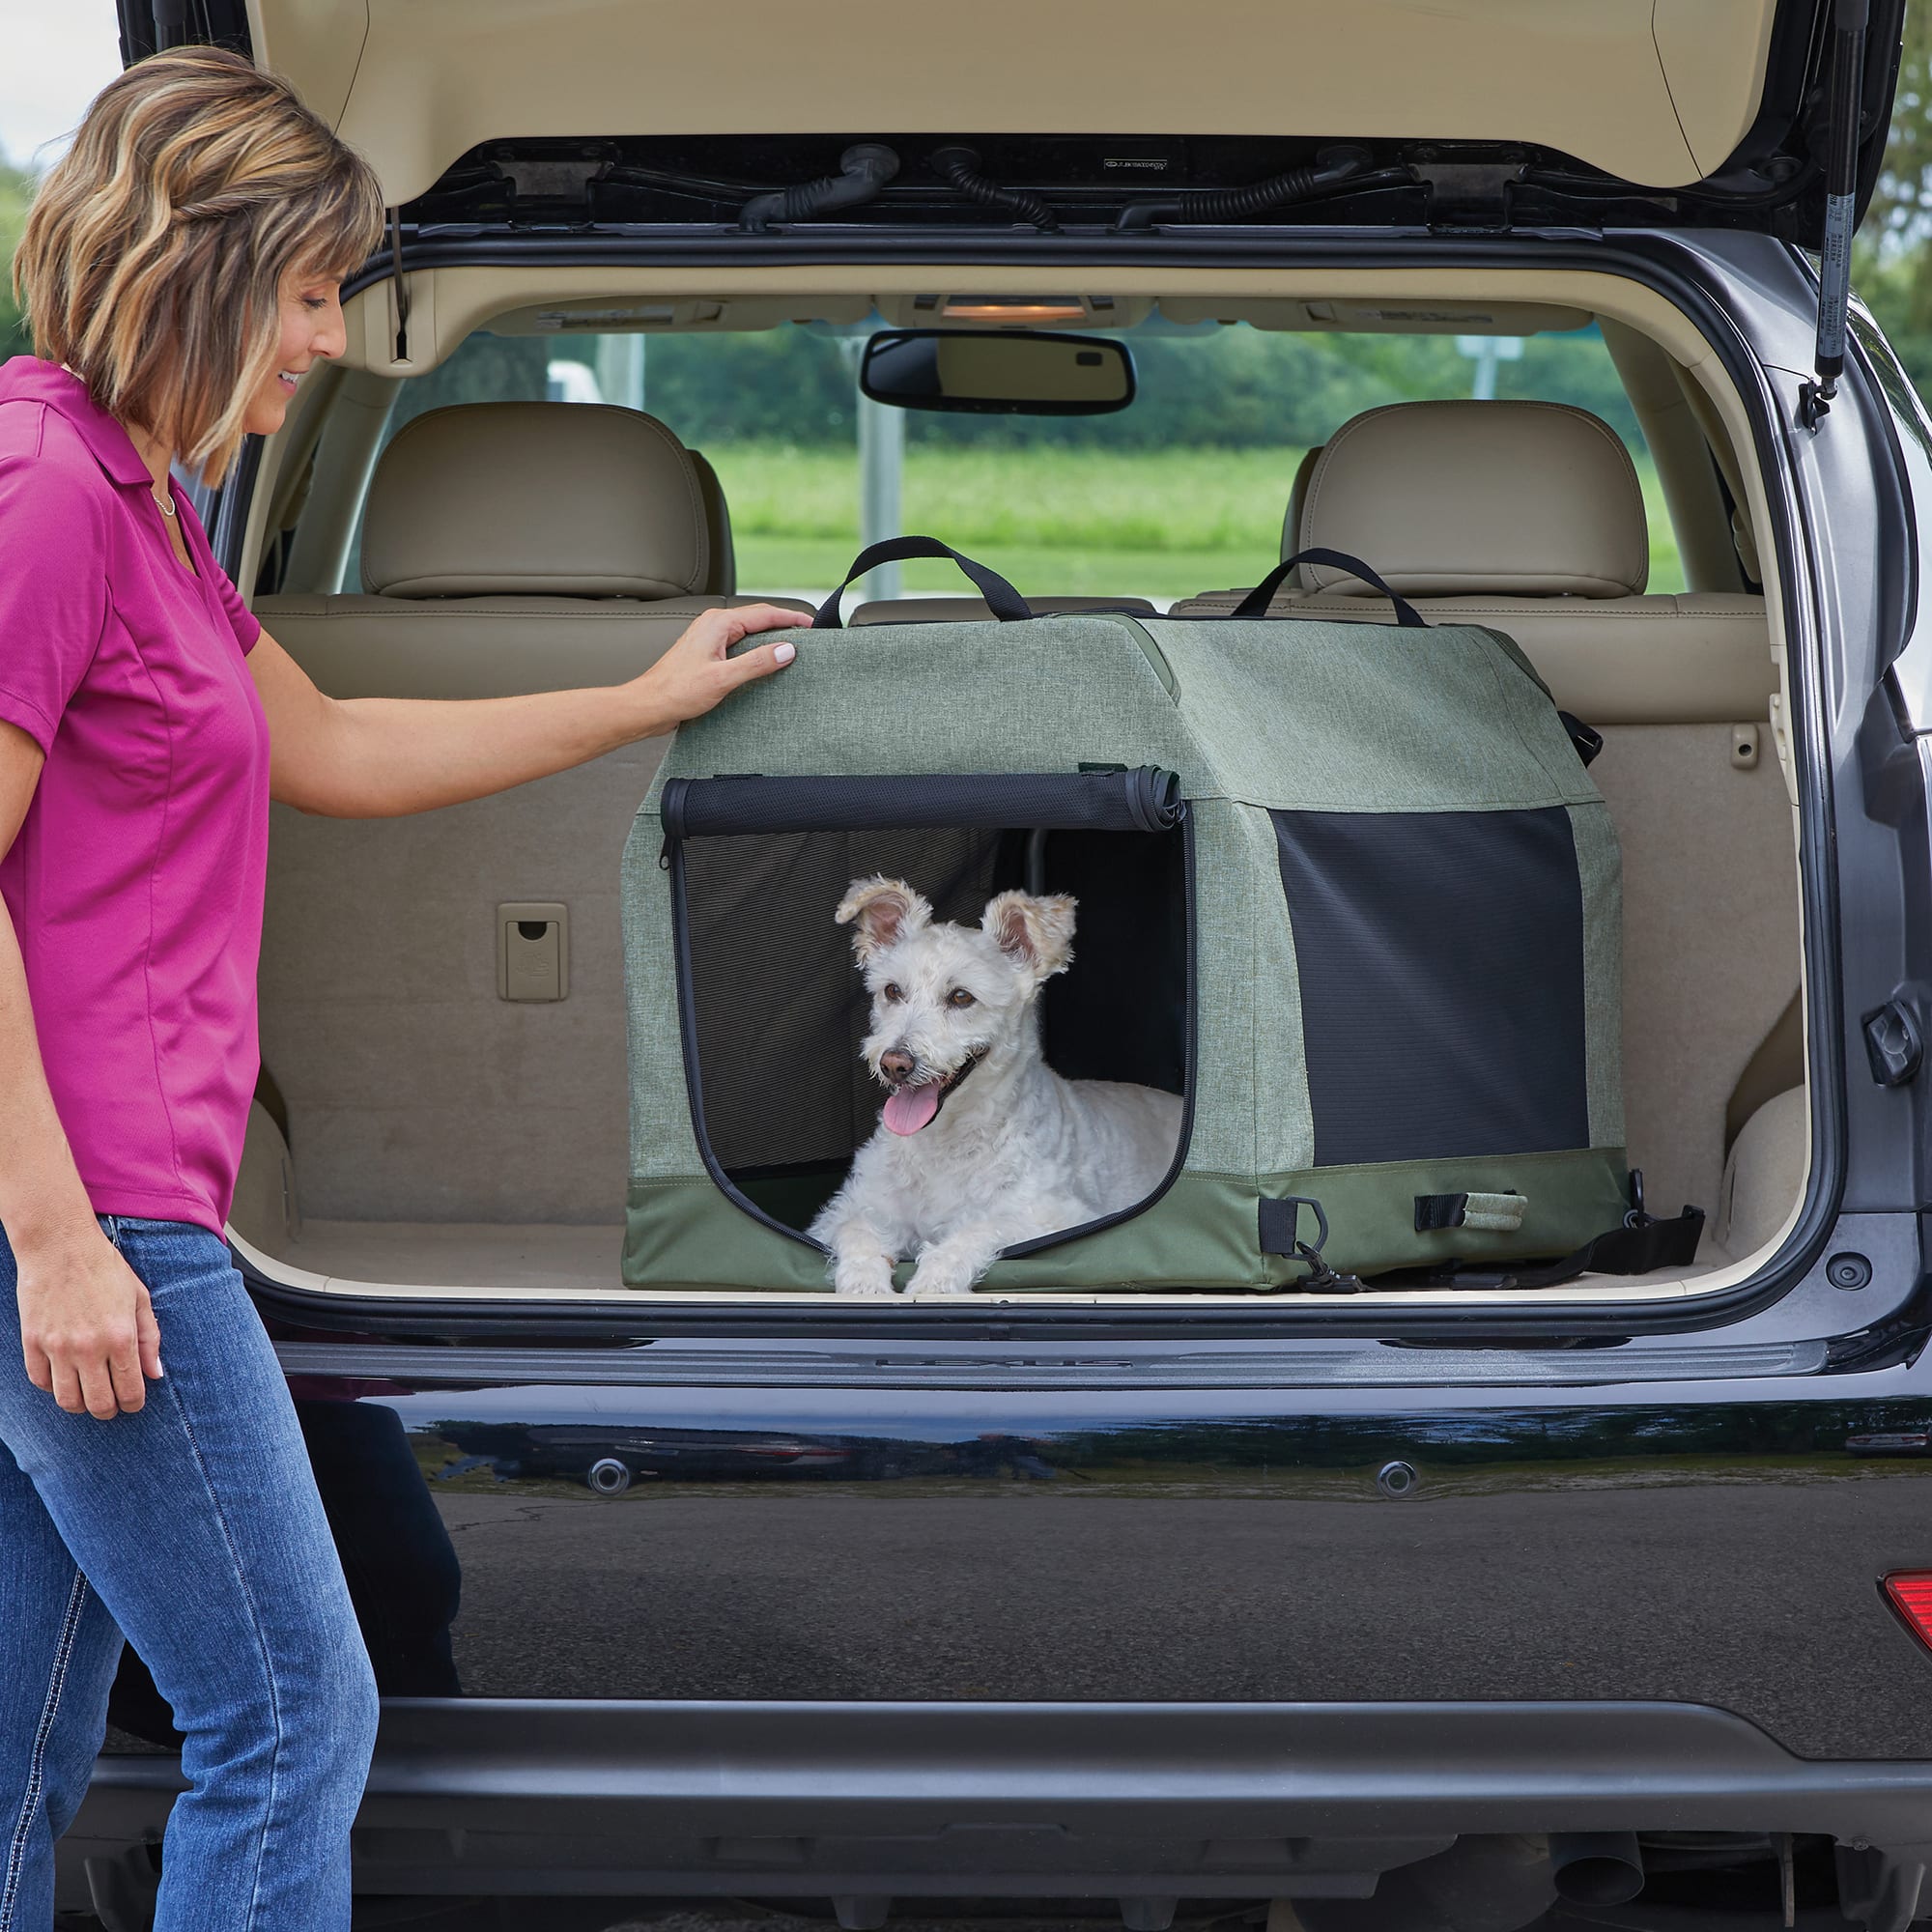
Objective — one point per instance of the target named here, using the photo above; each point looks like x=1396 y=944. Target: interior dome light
x=1014 y=308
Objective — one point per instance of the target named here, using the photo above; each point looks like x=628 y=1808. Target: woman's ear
x=886 y=910
x=1035 y=932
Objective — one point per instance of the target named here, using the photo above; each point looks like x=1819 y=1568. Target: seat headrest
x=1457 y=499
x=1297 y=498
x=551 y=500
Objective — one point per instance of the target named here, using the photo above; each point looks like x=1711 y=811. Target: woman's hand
x=696 y=672
x=87 y=1327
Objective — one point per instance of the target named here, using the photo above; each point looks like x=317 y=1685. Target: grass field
x=1054 y=521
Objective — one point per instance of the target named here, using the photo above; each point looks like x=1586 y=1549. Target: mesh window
x=1441 y=958
x=777 y=1011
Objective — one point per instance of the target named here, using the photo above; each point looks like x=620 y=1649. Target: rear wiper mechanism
x=1841 y=192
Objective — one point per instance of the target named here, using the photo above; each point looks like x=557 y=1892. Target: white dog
x=980 y=1144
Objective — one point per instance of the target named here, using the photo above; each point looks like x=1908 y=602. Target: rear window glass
x=1180 y=492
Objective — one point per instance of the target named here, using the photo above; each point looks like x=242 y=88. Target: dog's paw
x=941 y=1275
x=873 y=1277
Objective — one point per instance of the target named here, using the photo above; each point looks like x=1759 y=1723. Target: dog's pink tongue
x=912 y=1108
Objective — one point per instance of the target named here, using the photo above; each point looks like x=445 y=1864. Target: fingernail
x=784 y=653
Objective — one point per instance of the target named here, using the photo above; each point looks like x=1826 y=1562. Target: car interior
x=418 y=1131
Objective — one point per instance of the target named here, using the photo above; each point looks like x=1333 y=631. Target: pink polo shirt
x=135 y=883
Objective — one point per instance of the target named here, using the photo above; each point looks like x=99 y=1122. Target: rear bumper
x=1247 y=1801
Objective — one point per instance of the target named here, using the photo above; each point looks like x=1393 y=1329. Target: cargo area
x=445 y=1101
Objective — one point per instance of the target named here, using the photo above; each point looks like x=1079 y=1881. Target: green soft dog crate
x=1347 y=888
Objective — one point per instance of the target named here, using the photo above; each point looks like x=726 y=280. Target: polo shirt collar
x=64 y=392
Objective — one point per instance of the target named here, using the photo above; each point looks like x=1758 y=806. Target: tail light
x=1909 y=1593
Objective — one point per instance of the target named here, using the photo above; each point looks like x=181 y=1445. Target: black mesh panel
x=1440 y=961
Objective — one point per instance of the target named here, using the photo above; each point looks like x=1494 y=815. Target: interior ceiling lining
x=447 y=304
x=1656 y=92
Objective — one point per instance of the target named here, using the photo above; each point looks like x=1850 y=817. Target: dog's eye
x=893 y=992
x=959 y=996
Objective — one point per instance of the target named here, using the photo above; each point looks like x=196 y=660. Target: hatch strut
x=402 y=285
x=1849 y=19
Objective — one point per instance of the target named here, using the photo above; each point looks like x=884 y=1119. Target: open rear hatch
x=1658 y=112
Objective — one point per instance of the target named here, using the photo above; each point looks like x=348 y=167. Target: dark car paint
x=1720 y=1546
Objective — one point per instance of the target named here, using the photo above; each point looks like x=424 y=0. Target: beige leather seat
x=720 y=576
x=1528 y=517
x=508 y=548
x=1291 y=523
x=513 y=546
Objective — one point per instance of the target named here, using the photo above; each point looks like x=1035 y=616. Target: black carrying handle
x=1256 y=603
x=1002 y=599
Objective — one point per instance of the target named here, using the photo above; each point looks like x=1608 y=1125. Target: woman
x=180 y=269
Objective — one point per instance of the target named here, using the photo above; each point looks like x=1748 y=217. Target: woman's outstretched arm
x=86 y=1327
x=379 y=758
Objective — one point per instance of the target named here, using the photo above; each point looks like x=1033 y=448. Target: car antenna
x=1845 y=86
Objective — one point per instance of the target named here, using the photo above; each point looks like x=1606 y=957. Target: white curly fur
x=1014 y=1151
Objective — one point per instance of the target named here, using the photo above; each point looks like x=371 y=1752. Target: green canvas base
x=1201 y=1236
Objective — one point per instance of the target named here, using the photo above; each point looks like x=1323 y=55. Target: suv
x=1474 y=1607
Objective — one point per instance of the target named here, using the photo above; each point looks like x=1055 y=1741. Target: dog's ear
x=1035 y=932
x=886 y=910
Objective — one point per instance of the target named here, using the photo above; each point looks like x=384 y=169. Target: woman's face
x=312 y=328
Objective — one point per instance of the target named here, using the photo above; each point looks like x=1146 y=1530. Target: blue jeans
x=194 y=1527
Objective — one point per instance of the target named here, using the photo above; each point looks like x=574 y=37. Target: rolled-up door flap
x=1143 y=799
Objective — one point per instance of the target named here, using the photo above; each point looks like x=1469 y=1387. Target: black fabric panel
x=1440 y=961
x=1119 y=1012
x=1120 y=801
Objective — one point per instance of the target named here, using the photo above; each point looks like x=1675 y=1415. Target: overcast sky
x=59 y=54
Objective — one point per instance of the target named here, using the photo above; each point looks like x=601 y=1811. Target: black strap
x=1637 y=1245
x=1256 y=603
x=1586 y=738
x=1002 y=599
x=1433 y=1212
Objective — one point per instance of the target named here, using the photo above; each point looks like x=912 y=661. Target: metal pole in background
x=881 y=474
x=1486 y=352
x=620 y=369
x=881 y=480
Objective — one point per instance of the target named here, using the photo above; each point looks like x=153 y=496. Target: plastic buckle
x=1320 y=1278
x=1637 y=1217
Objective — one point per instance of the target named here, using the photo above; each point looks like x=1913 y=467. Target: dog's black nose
x=897 y=1066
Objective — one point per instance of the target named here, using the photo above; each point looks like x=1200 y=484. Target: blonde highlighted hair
x=154 y=254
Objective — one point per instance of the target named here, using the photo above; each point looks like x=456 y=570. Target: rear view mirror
x=997 y=372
